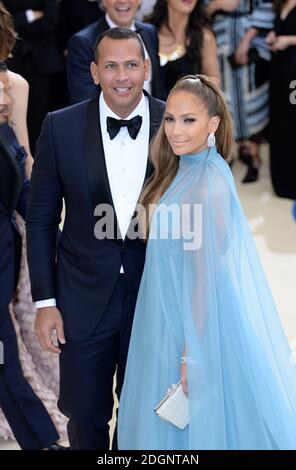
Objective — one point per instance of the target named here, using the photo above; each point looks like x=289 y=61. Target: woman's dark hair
x=8 y=35
x=194 y=29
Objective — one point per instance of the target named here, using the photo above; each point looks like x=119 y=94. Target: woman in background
x=243 y=60
x=282 y=42
x=186 y=42
x=37 y=57
x=19 y=88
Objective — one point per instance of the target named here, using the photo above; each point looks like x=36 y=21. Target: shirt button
x=123 y=195
x=123 y=170
x=123 y=143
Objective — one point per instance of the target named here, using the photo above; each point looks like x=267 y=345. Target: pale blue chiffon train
x=214 y=301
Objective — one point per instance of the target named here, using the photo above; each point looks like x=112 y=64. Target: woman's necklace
x=176 y=54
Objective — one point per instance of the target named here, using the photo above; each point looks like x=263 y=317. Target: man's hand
x=48 y=320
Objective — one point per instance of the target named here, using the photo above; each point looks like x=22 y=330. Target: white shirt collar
x=141 y=109
x=113 y=25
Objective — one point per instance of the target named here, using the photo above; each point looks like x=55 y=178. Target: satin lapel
x=156 y=110
x=95 y=158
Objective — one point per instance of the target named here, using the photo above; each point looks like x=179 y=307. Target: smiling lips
x=122 y=9
x=122 y=90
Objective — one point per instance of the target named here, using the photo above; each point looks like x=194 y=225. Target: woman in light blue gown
x=204 y=295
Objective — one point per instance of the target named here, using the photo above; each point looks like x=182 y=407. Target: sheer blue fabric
x=212 y=300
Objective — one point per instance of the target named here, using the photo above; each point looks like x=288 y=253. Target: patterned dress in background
x=246 y=88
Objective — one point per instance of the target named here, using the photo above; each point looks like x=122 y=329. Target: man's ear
x=147 y=68
x=94 y=73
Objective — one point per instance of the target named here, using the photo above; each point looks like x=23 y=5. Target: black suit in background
x=96 y=302
x=74 y=16
x=37 y=58
x=80 y=56
x=24 y=411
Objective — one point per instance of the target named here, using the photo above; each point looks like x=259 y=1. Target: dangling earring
x=211 y=140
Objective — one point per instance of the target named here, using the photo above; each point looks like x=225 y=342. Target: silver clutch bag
x=174 y=407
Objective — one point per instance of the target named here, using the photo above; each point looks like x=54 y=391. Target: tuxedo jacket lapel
x=96 y=163
x=95 y=155
x=156 y=109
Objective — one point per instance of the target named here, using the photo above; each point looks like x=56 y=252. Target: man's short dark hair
x=118 y=33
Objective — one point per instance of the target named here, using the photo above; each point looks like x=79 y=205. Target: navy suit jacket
x=70 y=164
x=80 y=56
x=13 y=195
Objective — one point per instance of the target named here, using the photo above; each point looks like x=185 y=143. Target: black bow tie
x=133 y=126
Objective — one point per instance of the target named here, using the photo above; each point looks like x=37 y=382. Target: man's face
x=5 y=101
x=122 y=12
x=121 y=72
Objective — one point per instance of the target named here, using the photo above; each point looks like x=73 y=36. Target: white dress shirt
x=147 y=83
x=126 y=162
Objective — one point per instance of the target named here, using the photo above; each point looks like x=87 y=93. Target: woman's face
x=187 y=123
x=182 y=6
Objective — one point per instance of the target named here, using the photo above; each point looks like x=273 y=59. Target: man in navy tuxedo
x=24 y=411
x=91 y=154
x=80 y=49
